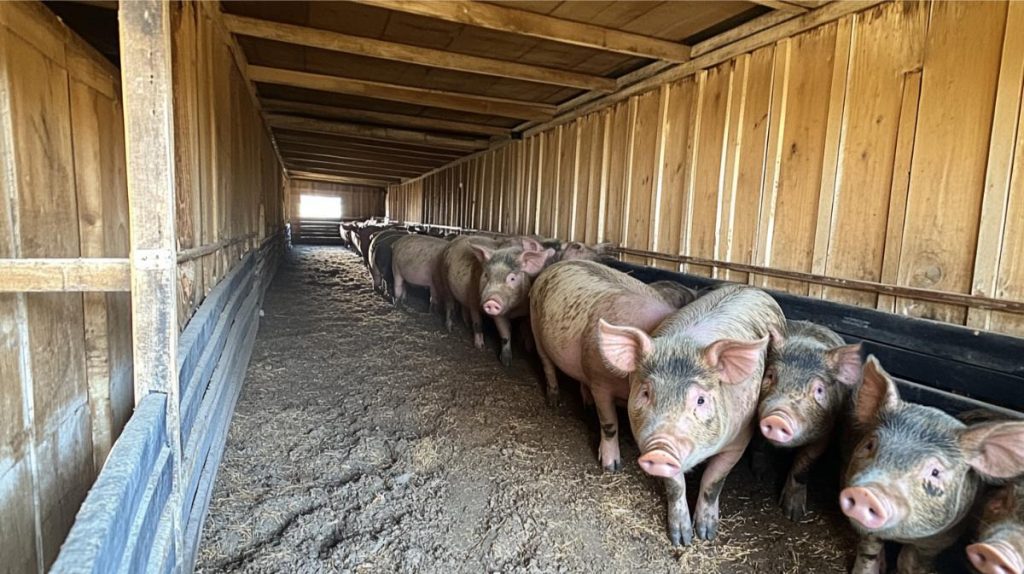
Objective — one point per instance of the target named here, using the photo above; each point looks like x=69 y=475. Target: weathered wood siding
x=882 y=146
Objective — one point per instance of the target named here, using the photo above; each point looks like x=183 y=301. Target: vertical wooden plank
x=709 y=162
x=146 y=79
x=644 y=163
x=566 y=176
x=533 y=194
x=996 y=228
x=961 y=70
x=886 y=42
x=677 y=150
x=802 y=152
x=594 y=149
x=548 y=184
x=773 y=155
x=664 y=97
x=617 y=143
x=581 y=191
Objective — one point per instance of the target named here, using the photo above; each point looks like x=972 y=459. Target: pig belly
x=568 y=359
x=419 y=274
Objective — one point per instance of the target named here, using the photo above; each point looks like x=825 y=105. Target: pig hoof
x=506 y=358
x=794 y=503
x=680 y=536
x=614 y=466
x=707 y=529
x=554 y=400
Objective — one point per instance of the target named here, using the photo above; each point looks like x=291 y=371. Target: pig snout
x=870 y=509
x=493 y=306
x=663 y=457
x=995 y=558
x=778 y=428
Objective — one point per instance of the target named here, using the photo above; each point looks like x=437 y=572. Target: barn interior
x=197 y=373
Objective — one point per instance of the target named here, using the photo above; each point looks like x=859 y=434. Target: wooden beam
x=368 y=174
x=314 y=152
x=373 y=170
x=781 y=5
x=326 y=40
x=358 y=162
x=314 y=176
x=146 y=91
x=540 y=26
x=486 y=105
x=328 y=141
x=55 y=275
x=399 y=120
x=370 y=132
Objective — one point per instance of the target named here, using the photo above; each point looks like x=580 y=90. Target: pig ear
x=995 y=450
x=602 y=248
x=877 y=392
x=622 y=347
x=736 y=361
x=531 y=244
x=846 y=363
x=777 y=337
x=482 y=253
x=534 y=261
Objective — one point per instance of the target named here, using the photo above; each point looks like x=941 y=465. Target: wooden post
x=145 y=35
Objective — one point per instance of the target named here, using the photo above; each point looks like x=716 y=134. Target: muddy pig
x=806 y=388
x=505 y=280
x=693 y=393
x=914 y=472
x=415 y=259
x=677 y=294
x=1000 y=545
x=380 y=258
x=460 y=274
x=568 y=301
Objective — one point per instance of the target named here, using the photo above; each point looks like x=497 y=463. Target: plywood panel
x=962 y=56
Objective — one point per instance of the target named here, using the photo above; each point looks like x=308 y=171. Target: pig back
x=729 y=312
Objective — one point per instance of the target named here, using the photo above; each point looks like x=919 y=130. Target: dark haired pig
x=567 y=302
x=380 y=258
x=506 y=277
x=915 y=472
x=693 y=393
x=1000 y=545
x=415 y=259
x=677 y=294
x=807 y=384
x=460 y=271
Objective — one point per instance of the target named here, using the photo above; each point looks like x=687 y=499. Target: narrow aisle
x=368 y=439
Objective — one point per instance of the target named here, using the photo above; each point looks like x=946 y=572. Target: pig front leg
x=711 y=483
x=609 y=449
x=505 y=331
x=794 y=494
x=680 y=531
x=870 y=556
x=550 y=377
x=478 y=328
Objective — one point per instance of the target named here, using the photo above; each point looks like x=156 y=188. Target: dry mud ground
x=367 y=439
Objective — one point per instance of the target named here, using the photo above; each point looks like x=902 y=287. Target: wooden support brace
x=54 y=275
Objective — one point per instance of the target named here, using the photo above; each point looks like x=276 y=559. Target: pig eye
x=936 y=473
x=869 y=446
x=643 y=395
x=700 y=400
x=512 y=278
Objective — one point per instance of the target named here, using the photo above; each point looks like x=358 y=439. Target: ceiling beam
x=281 y=121
x=534 y=25
x=393 y=170
x=399 y=120
x=486 y=105
x=326 y=40
x=360 y=145
x=313 y=176
x=783 y=5
x=382 y=159
x=347 y=172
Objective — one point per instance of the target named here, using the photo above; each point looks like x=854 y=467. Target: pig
x=807 y=384
x=415 y=259
x=569 y=250
x=505 y=280
x=913 y=473
x=380 y=259
x=460 y=270
x=568 y=303
x=677 y=294
x=1000 y=543
x=693 y=391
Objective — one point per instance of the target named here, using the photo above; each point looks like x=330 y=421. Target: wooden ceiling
x=378 y=91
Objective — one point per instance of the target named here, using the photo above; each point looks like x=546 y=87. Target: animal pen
x=861 y=160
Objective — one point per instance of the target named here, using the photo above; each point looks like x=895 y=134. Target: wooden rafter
x=326 y=40
x=397 y=120
x=334 y=143
x=280 y=121
x=381 y=160
x=391 y=170
x=540 y=26
x=314 y=176
x=409 y=95
x=782 y=5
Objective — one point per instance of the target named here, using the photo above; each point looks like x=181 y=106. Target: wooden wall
x=65 y=358
x=229 y=180
x=881 y=146
x=357 y=201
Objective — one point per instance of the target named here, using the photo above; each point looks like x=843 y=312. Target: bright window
x=319 y=207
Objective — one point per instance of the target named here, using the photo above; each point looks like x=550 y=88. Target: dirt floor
x=368 y=439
